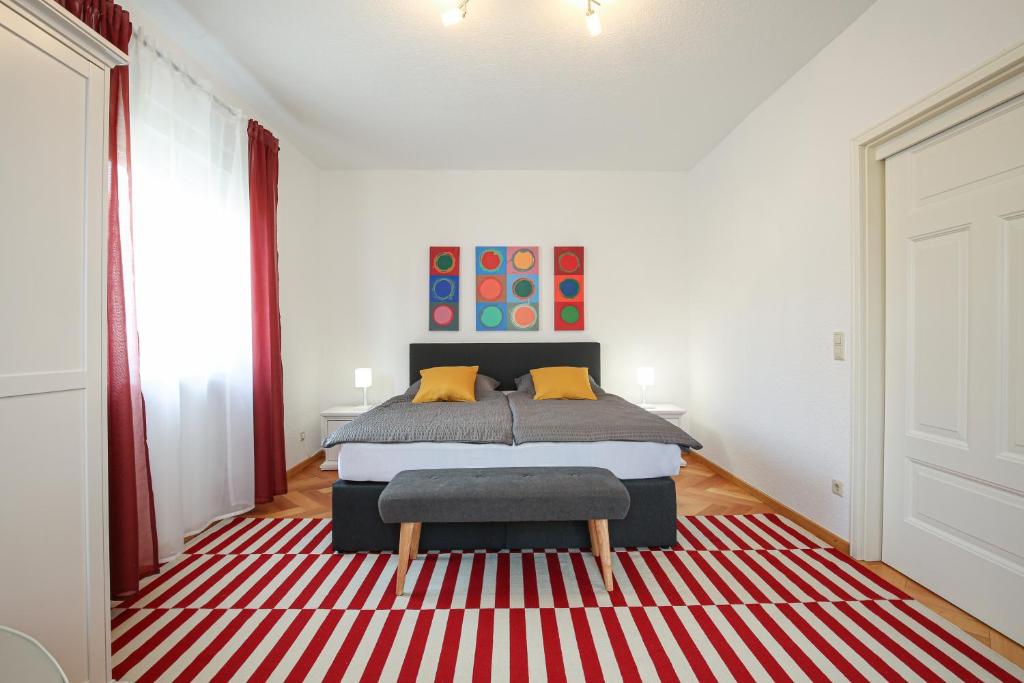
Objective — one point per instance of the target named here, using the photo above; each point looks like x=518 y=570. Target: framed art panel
x=444 y=289
x=523 y=288
x=491 y=308
x=569 y=290
x=507 y=288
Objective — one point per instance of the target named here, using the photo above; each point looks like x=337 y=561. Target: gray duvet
x=609 y=418
x=516 y=419
x=399 y=420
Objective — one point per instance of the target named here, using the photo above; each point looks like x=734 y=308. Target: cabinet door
x=52 y=401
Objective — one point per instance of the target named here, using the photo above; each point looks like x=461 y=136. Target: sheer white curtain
x=190 y=184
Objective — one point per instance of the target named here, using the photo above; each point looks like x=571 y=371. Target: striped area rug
x=746 y=598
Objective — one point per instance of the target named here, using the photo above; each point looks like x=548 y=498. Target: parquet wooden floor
x=309 y=494
x=699 y=491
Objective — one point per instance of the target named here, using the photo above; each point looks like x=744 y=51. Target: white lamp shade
x=645 y=377
x=364 y=378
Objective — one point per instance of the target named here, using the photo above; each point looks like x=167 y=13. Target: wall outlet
x=837 y=487
x=302 y=436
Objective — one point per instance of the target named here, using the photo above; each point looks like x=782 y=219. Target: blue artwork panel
x=490 y=260
x=444 y=288
x=522 y=289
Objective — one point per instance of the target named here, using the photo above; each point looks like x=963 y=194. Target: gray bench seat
x=513 y=494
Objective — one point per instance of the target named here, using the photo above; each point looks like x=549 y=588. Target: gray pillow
x=524 y=383
x=483 y=384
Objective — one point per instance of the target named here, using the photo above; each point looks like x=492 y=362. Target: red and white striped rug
x=747 y=598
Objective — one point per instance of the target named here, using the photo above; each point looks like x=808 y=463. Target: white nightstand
x=669 y=412
x=331 y=419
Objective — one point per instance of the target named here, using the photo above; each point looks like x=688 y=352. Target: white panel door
x=52 y=417
x=953 y=515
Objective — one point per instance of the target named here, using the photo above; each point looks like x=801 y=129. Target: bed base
x=357 y=525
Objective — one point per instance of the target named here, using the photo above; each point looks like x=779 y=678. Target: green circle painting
x=490 y=316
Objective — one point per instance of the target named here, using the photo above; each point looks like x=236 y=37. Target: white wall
x=297 y=220
x=768 y=228
x=377 y=226
x=301 y=289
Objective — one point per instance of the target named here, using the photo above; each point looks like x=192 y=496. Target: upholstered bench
x=509 y=494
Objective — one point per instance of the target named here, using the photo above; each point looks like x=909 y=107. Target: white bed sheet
x=625 y=459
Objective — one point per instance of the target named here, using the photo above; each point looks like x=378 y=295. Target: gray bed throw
x=399 y=420
x=609 y=418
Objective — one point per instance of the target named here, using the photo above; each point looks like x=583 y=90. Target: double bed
x=506 y=428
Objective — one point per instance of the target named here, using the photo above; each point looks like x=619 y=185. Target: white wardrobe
x=53 y=150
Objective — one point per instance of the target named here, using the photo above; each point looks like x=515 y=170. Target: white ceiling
x=520 y=84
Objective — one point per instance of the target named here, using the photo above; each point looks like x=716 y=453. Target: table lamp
x=645 y=378
x=364 y=380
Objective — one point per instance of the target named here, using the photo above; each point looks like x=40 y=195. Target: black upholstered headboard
x=506 y=361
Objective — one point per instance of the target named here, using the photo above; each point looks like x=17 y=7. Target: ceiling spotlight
x=455 y=14
x=593 y=20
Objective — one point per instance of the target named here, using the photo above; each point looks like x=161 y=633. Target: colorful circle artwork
x=523 y=260
x=489 y=289
x=491 y=316
x=570 y=314
x=507 y=279
x=444 y=262
x=524 y=316
x=568 y=262
x=443 y=315
x=490 y=260
x=523 y=288
x=444 y=289
x=569 y=288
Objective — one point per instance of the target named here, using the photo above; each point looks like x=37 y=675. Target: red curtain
x=133 y=542
x=267 y=373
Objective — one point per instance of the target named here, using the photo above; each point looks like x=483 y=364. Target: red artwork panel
x=569 y=293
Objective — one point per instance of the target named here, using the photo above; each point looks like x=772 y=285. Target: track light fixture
x=593 y=20
x=455 y=14
x=458 y=13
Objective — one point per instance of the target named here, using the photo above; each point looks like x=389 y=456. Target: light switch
x=838 y=346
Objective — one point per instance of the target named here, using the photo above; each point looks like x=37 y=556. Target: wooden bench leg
x=594 y=546
x=405 y=535
x=601 y=531
x=415 y=552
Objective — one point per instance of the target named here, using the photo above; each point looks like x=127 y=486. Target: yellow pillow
x=562 y=382
x=453 y=383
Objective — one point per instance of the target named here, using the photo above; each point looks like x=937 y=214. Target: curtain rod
x=139 y=35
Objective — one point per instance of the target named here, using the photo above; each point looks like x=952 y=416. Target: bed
x=644 y=467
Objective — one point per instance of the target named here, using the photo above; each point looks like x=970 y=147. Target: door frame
x=994 y=82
